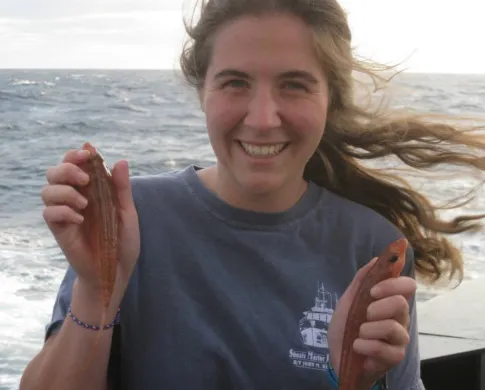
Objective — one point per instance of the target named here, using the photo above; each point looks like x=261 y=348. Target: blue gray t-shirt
x=224 y=298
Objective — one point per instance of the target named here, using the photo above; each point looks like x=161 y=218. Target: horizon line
x=154 y=69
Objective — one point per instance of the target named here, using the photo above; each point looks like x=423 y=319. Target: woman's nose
x=263 y=110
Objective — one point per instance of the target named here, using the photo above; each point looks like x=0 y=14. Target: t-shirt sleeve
x=61 y=303
x=407 y=374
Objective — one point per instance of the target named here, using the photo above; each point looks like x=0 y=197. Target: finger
x=386 y=354
x=402 y=285
x=61 y=214
x=375 y=366
x=76 y=156
x=395 y=307
x=67 y=173
x=121 y=179
x=389 y=331
x=59 y=194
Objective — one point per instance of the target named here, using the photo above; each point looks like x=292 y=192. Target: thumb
x=357 y=281
x=339 y=317
x=121 y=179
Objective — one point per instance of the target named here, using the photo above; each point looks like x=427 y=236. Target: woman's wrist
x=87 y=305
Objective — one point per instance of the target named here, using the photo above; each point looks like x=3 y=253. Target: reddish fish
x=101 y=224
x=389 y=265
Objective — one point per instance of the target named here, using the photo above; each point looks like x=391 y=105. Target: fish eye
x=394 y=258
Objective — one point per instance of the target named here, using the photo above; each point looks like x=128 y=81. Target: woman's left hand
x=384 y=336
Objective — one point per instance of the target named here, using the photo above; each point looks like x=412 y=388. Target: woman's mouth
x=268 y=150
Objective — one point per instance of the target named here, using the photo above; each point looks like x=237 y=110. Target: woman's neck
x=230 y=191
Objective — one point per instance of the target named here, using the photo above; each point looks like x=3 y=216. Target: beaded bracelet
x=116 y=321
x=332 y=376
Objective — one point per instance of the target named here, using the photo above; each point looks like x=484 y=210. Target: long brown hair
x=355 y=133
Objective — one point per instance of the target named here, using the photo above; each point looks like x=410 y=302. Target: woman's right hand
x=63 y=215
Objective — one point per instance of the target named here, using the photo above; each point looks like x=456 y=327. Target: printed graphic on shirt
x=313 y=353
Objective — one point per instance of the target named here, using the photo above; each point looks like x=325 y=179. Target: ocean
x=154 y=121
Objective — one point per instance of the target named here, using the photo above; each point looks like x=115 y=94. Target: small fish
x=389 y=265
x=101 y=224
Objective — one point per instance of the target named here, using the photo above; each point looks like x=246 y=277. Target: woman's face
x=265 y=98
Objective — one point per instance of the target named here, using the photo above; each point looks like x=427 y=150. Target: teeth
x=262 y=151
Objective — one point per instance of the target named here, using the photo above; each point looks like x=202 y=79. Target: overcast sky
x=440 y=36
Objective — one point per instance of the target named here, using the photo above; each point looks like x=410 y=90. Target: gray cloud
x=79 y=33
x=106 y=20
x=48 y=9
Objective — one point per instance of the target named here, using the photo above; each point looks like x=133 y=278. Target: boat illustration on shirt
x=313 y=327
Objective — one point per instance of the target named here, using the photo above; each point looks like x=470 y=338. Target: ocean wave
x=155 y=122
x=129 y=107
x=24 y=82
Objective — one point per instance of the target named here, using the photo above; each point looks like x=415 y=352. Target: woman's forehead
x=270 y=43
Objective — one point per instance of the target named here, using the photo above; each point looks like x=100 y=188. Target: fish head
x=96 y=155
x=396 y=256
x=87 y=146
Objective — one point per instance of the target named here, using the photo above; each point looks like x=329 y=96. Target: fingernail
x=82 y=203
x=83 y=178
x=83 y=153
x=125 y=163
x=375 y=291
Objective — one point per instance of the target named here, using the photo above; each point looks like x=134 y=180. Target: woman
x=229 y=275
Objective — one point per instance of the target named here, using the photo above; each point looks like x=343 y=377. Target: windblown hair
x=356 y=133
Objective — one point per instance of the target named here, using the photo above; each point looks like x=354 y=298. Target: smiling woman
x=242 y=275
x=265 y=97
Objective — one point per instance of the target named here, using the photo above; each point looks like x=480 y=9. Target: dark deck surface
x=452 y=338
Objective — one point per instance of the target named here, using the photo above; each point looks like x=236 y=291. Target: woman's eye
x=236 y=83
x=295 y=85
